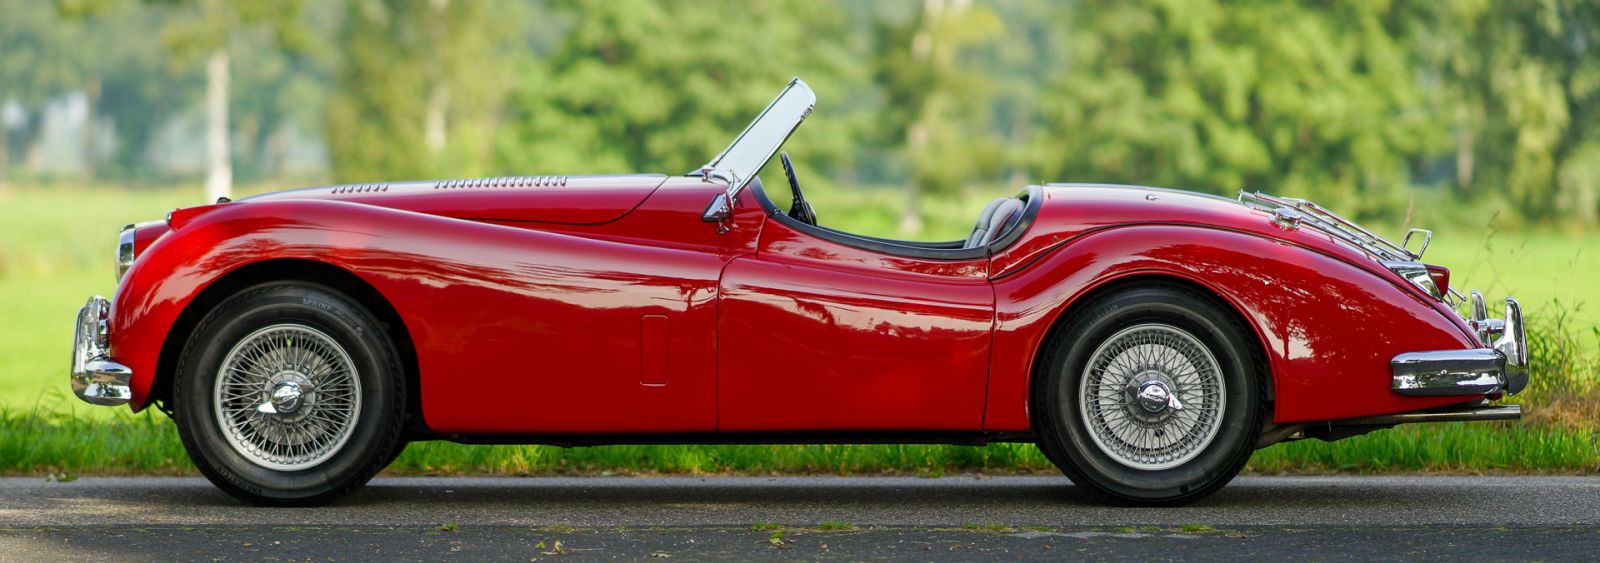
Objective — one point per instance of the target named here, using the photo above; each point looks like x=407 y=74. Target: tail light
x=1433 y=280
x=1441 y=278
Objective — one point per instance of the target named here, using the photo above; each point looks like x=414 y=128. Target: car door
x=818 y=336
x=575 y=329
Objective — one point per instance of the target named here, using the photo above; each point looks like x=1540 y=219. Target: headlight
x=125 y=250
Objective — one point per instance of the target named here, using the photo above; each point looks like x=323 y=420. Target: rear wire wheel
x=1150 y=395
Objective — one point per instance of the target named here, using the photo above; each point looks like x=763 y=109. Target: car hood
x=576 y=200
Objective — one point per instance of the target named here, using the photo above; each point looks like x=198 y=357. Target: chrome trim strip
x=95 y=378
x=1478 y=371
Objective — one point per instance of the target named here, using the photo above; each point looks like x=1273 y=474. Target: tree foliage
x=663 y=86
x=1359 y=104
x=399 y=58
x=1273 y=96
x=1522 y=80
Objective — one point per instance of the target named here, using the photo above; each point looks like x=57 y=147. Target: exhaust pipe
x=1340 y=429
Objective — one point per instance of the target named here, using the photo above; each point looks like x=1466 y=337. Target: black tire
x=1060 y=419
x=370 y=434
x=399 y=448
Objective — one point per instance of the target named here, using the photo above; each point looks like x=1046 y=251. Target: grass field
x=56 y=246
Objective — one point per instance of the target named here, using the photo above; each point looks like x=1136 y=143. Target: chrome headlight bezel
x=125 y=250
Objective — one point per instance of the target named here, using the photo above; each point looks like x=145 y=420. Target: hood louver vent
x=360 y=188
x=502 y=182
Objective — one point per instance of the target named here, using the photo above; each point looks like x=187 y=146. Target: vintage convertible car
x=1148 y=340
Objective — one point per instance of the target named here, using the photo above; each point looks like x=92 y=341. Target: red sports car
x=1148 y=340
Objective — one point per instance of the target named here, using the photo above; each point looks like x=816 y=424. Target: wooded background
x=1362 y=105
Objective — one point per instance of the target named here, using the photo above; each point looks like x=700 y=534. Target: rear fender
x=1328 y=328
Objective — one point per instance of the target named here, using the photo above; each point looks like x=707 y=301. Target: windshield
x=753 y=147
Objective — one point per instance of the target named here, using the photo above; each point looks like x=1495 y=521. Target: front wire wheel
x=287 y=397
x=289 y=394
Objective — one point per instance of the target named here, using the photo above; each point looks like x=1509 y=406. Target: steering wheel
x=799 y=209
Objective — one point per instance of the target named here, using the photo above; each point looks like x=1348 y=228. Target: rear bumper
x=95 y=378
x=1501 y=366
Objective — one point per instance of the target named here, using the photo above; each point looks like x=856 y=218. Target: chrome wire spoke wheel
x=1152 y=396
x=287 y=397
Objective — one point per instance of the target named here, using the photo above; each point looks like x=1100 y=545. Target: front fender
x=201 y=249
x=1328 y=328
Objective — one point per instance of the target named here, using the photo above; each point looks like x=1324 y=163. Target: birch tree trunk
x=435 y=121
x=435 y=124
x=91 y=101
x=1463 y=151
x=5 y=143
x=219 y=167
x=917 y=133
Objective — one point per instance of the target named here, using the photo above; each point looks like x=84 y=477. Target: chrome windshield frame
x=762 y=138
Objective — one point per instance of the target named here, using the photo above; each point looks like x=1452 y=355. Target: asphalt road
x=949 y=518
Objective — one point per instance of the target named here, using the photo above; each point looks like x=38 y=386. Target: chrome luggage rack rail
x=1290 y=213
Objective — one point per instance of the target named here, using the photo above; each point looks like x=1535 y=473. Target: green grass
x=1451 y=447
x=52 y=442
x=55 y=250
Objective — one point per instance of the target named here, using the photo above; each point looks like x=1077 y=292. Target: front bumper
x=1500 y=366
x=95 y=378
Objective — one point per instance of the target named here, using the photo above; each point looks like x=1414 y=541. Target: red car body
x=577 y=308
x=1148 y=340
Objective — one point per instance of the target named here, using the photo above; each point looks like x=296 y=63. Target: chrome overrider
x=95 y=378
x=1501 y=365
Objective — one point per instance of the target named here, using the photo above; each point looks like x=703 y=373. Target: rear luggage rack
x=1290 y=213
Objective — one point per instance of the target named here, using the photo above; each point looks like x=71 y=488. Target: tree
x=937 y=97
x=1276 y=96
x=35 y=56
x=99 y=49
x=420 y=86
x=208 y=29
x=659 y=85
x=1522 y=81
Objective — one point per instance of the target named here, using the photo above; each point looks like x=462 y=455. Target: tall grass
x=55 y=441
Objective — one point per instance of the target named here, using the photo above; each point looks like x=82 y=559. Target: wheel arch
x=1124 y=281
x=288 y=269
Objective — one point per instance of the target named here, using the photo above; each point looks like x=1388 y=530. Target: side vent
x=653 y=350
x=501 y=182
x=360 y=188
